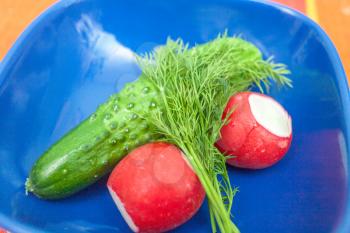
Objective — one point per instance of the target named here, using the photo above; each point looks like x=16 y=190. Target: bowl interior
x=80 y=52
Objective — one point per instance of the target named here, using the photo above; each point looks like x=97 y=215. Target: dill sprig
x=195 y=85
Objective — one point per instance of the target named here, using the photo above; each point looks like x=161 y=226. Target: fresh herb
x=195 y=85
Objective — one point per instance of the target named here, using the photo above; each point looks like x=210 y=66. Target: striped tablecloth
x=332 y=15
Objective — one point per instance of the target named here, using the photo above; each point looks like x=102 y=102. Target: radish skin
x=258 y=133
x=155 y=188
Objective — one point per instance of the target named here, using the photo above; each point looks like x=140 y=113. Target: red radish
x=155 y=188
x=259 y=131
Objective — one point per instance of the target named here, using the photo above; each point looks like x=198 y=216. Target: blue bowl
x=77 y=53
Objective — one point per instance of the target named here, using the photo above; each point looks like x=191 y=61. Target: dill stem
x=212 y=219
x=222 y=216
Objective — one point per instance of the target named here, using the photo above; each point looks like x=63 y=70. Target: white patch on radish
x=271 y=115
x=122 y=210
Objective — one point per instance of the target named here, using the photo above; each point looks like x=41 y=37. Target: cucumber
x=93 y=148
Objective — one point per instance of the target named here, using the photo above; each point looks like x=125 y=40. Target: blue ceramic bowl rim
x=341 y=79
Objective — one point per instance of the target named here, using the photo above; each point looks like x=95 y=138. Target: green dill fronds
x=195 y=85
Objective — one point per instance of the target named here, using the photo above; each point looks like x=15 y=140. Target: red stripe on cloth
x=296 y=4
